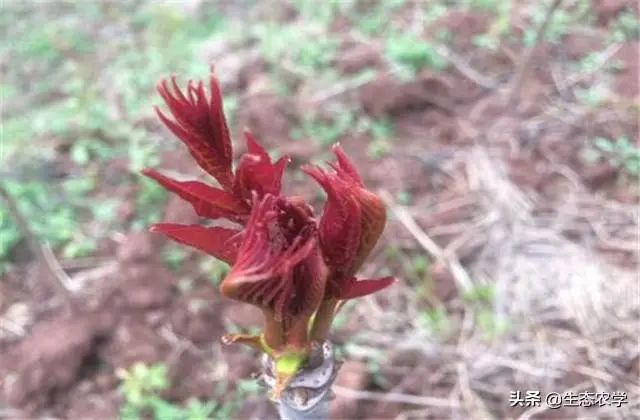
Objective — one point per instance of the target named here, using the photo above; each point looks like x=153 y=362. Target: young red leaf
x=352 y=288
x=284 y=261
x=344 y=167
x=276 y=268
x=207 y=201
x=219 y=242
x=340 y=225
x=201 y=125
x=351 y=223
x=256 y=172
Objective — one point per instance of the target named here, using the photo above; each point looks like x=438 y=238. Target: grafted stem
x=320 y=411
x=308 y=394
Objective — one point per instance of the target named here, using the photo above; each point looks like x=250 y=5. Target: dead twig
x=343 y=87
x=525 y=63
x=461 y=276
x=465 y=69
x=413 y=414
x=82 y=279
x=603 y=58
x=58 y=279
x=393 y=397
x=471 y=400
x=85 y=263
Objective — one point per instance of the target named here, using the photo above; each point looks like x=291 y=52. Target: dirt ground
x=128 y=306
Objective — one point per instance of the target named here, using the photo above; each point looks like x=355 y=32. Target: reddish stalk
x=323 y=319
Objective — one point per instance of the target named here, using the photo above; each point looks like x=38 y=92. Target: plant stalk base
x=307 y=396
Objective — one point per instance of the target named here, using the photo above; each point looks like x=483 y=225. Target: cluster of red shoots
x=294 y=267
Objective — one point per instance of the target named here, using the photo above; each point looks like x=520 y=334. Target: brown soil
x=138 y=316
x=607 y=10
x=628 y=80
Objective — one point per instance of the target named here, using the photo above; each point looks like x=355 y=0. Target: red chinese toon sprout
x=295 y=268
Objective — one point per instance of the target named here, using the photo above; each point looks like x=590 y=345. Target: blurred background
x=502 y=134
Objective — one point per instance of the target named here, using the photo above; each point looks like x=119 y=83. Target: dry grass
x=571 y=319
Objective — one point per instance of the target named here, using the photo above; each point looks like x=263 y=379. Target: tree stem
x=320 y=411
x=308 y=394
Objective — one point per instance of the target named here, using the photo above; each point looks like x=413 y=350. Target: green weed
x=381 y=132
x=411 y=54
x=44 y=206
x=173 y=256
x=404 y=198
x=433 y=12
x=392 y=252
x=436 y=320
x=480 y=294
x=373 y=17
x=621 y=153
x=420 y=265
x=480 y=300
x=149 y=203
x=325 y=131
x=87 y=96
x=323 y=12
x=141 y=386
x=303 y=48
x=559 y=25
x=490 y=325
x=595 y=61
x=626 y=27
x=214 y=269
x=499 y=28
x=593 y=96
